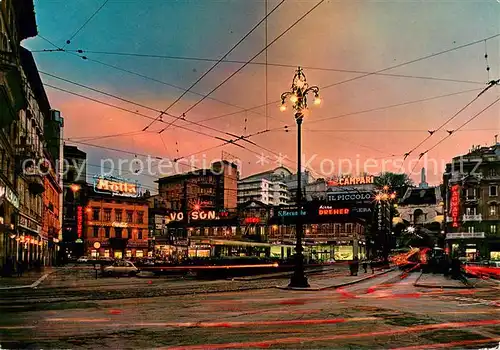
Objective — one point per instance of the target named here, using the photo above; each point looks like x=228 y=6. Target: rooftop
x=421 y=196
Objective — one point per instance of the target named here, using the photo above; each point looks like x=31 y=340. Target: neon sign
x=116 y=187
x=251 y=220
x=327 y=210
x=197 y=215
x=349 y=181
x=79 y=220
x=455 y=205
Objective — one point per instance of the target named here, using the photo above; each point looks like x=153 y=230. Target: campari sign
x=352 y=181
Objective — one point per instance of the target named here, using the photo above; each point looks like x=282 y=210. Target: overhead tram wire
x=431 y=132
x=375 y=109
x=132 y=102
x=269 y=64
x=225 y=143
x=251 y=59
x=85 y=23
x=214 y=66
x=144 y=115
x=73 y=52
x=273 y=102
x=376 y=72
x=457 y=129
x=410 y=62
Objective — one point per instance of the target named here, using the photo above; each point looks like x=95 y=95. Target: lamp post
x=298 y=96
x=386 y=197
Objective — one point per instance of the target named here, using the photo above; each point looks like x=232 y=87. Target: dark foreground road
x=384 y=312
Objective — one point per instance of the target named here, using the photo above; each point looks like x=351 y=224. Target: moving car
x=121 y=267
x=83 y=259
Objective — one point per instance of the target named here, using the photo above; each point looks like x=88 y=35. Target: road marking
x=40 y=280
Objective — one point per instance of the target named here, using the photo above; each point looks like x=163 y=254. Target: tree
x=396 y=182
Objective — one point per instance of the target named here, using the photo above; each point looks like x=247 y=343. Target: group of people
x=17 y=268
x=354 y=266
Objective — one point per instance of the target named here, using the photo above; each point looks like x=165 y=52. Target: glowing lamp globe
x=294 y=98
x=283 y=108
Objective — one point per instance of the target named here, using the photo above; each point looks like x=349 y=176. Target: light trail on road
x=299 y=340
x=449 y=345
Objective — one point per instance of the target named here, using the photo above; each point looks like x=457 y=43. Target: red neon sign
x=79 y=220
x=252 y=220
x=455 y=205
x=331 y=211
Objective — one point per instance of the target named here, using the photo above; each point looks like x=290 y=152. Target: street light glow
x=283 y=108
x=294 y=98
x=317 y=100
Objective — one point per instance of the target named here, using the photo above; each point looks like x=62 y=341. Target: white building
x=267 y=191
x=422 y=205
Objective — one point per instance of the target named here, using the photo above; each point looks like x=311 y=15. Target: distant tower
x=423 y=183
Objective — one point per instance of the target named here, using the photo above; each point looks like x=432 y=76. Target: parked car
x=121 y=267
x=83 y=259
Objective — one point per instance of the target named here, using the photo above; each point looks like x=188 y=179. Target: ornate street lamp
x=384 y=197
x=298 y=96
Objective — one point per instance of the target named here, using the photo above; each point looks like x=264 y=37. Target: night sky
x=343 y=35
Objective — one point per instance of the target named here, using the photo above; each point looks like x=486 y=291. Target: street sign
x=97 y=245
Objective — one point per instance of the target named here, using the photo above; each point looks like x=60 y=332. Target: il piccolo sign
x=116 y=187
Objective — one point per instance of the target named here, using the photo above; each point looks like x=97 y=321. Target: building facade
x=51 y=224
x=114 y=221
x=214 y=188
x=472 y=204
x=24 y=107
x=266 y=191
x=274 y=187
x=74 y=180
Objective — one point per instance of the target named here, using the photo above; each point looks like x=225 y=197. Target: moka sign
x=115 y=186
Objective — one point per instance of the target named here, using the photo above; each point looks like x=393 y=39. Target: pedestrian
x=20 y=268
x=372 y=266
x=365 y=265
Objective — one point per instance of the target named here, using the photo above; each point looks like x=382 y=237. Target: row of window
x=493 y=210
x=471 y=193
x=118 y=233
x=129 y=215
x=493 y=229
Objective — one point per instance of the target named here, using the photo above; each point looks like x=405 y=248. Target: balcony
x=471 y=199
x=472 y=217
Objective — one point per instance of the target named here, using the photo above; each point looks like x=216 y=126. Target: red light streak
x=483 y=271
x=449 y=345
x=202 y=267
x=296 y=340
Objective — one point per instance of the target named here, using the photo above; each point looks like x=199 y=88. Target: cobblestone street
x=384 y=311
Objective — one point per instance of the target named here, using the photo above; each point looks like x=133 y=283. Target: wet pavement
x=386 y=311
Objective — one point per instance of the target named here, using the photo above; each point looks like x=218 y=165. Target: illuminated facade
x=74 y=195
x=472 y=204
x=118 y=222
x=51 y=226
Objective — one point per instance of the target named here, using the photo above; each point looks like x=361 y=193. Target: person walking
x=372 y=266
x=355 y=266
x=365 y=265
